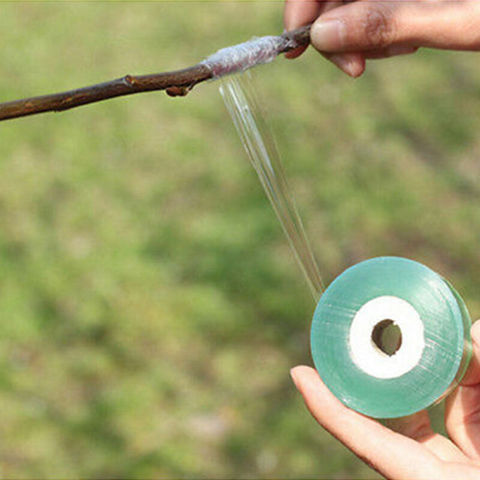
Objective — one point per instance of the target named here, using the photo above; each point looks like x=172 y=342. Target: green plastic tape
x=390 y=337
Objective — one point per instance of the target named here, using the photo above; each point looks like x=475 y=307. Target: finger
x=298 y=13
x=418 y=427
x=301 y=12
x=462 y=408
x=472 y=376
x=353 y=64
x=367 y=438
x=296 y=52
x=364 y=25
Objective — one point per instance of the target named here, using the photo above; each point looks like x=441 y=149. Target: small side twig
x=176 y=83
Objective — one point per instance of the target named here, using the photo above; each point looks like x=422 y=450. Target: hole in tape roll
x=387 y=337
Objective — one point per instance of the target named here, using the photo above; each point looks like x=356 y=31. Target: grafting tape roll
x=390 y=337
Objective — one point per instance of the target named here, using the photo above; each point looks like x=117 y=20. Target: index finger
x=301 y=12
x=298 y=13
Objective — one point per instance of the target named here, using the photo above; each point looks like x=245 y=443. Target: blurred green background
x=150 y=306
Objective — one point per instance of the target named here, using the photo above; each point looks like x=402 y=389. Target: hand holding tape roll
x=389 y=336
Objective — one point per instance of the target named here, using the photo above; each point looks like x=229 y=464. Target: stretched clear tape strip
x=244 y=107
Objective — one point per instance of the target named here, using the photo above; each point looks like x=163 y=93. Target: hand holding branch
x=349 y=33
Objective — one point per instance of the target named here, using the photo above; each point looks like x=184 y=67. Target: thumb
x=366 y=25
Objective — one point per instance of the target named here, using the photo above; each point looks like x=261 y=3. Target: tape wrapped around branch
x=243 y=56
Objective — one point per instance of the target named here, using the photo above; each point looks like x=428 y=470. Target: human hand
x=349 y=33
x=413 y=451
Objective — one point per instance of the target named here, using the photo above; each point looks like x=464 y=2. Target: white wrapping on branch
x=246 y=55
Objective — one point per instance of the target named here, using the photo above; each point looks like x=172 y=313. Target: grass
x=150 y=307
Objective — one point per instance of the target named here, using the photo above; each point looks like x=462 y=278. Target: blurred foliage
x=150 y=306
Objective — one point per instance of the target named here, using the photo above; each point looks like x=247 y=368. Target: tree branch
x=177 y=83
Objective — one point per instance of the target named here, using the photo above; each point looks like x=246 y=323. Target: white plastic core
x=367 y=356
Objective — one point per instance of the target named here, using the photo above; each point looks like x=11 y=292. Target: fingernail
x=294 y=378
x=328 y=35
